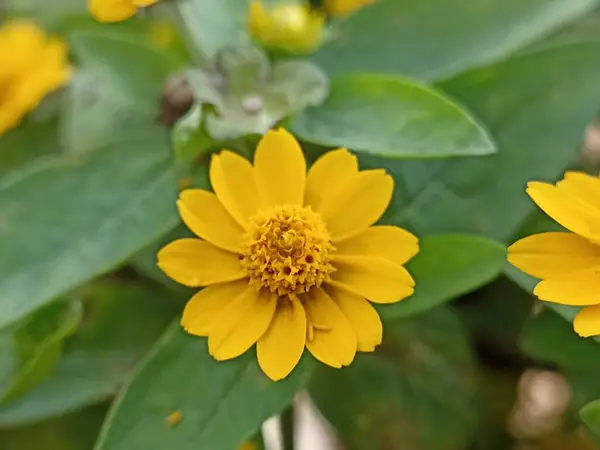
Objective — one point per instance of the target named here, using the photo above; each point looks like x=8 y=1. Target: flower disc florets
x=288 y=250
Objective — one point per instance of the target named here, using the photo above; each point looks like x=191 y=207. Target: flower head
x=289 y=259
x=116 y=10
x=290 y=26
x=568 y=263
x=345 y=7
x=31 y=66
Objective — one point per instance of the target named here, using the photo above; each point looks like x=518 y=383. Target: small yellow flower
x=290 y=26
x=116 y=10
x=289 y=258
x=338 y=8
x=31 y=66
x=567 y=263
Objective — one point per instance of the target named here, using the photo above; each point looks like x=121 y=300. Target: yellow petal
x=241 y=324
x=202 y=311
x=232 y=178
x=548 y=255
x=363 y=317
x=280 y=169
x=280 y=348
x=204 y=214
x=587 y=321
x=111 y=10
x=575 y=288
x=331 y=170
x=583 y=186
x=357 y=203
x=387 y=242
x=331 y=338
x=337 y=8
x=144 y=3
x=566 y=209
x=377 y=279
x=195 y=263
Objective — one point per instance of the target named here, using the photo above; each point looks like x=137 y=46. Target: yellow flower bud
x=338 y=8
x=291 y=26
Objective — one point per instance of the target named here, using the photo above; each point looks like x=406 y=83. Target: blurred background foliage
x=463 y=102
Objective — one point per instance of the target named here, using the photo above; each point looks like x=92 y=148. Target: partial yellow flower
x=116 y=10
x=291 y=26
x=31 y=66
x=567 y=263
x=345 y=7
x=289 y=259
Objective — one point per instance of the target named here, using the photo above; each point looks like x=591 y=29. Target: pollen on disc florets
x=287 y=250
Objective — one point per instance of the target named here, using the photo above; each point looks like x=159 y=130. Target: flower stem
x=287 y=428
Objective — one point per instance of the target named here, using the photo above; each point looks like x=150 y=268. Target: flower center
x=287 y=250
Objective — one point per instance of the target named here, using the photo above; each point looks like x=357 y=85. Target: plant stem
x=287 y=428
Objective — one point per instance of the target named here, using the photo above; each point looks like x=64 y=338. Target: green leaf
x=72 y=432
x=549 y=338
x=222 y=403
x=31 y=348
x=72 y=220
x=392 y=117
x=537 y=134
x=211 y=25
x=122 y=320
x=189 y=137
x=446 y=267
x=432 y=39
x=417 y=391
x=116 y=93
x=590 y=414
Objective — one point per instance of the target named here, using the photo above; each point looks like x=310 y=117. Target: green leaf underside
x=222 y=403
x=391 y=117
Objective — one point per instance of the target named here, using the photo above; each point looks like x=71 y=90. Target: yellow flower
x=116 y=10
x=290 y=26
x=567 y=263
x=345 y=7
x=289 y=258
x=31 y=66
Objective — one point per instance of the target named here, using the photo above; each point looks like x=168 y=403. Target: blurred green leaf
x=446 y=267
x=212 y=24
x=30 y=349
x=27 y=148
x=189 y=137
x=550 y=339
x=72 y=432
x=50 y=14
x=590 y=414
x=222 y=403
x=72 y=220
x=432 y=40
x=417 y=391
x=536 y=106
x=116 y=95
x=122 y=320
x=249 y=95
x=392 y=117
